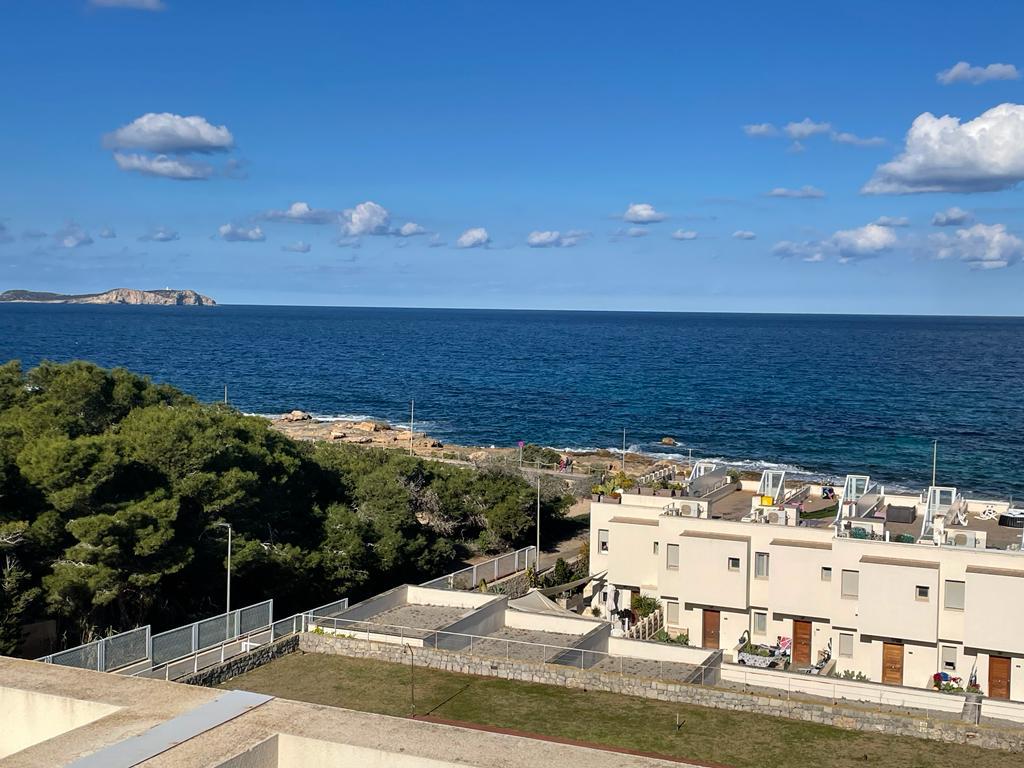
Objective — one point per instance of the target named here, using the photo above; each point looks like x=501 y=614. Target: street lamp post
x=412 y=677
x=537 y=561
x=227 y=610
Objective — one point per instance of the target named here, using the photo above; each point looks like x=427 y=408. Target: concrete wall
x=645 y=649
x=940 y=727
x=301 y=752
x=549 y=623
x=889 y=606
x=263 y=755
x=370 y=607
x=446 y=598
x=482 y=621
x=29 y=717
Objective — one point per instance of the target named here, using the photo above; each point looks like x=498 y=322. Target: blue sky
x=497 y=125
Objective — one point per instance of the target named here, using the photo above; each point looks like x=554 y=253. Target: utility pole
x=935 y=456
x=225 y=394
x=412 y=677
x=412 y=422
x=623 y=449
x=537 y=562
x=227 y=610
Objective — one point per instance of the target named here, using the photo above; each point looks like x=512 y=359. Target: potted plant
x=613 y=498
x=646 y=490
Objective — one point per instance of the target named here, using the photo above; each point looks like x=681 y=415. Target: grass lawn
x=709 y=735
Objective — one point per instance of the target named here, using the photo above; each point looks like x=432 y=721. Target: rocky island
x=167 y=297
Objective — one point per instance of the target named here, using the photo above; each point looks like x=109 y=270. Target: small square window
x=949 y=657
x=760 y=623
x=655 y=547
x=846 y=645
x=734 y=563
x=602 y=541
x=921 y=592
x=826 y=574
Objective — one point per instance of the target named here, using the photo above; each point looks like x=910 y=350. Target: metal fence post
x=101 y=655
x=195 y=636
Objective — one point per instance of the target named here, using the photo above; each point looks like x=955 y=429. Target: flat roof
x=801 y=543
x=713 y=535
x=633 y=520
x=995 y=571
x=871 y=559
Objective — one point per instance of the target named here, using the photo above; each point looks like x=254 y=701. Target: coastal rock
x=371 y=426
x=337 y=434
x=165 y=296
x=436 y=444
x=360 y=439
x=297 y=416
x=668 y=441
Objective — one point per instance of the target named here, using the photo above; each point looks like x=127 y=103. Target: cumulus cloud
x=892 y=221
x=942 y=154
x=642 y=213
x=365 y=219
x=475 y=237
x=806 y=128
x=240 y=234
x=863 y=242
x=744 y=234
x=805 y=191
x=846 y=244
x=982 y=246
x=302 y=213
x=845 y=137
x=952 y=217
x=962 y=72
x=107 y=233
x=410 y=229
x=760 y=129
x=160 y=235
x=165 y=133
x=684 y=234
x=138 y=5
x=71 y=236
x=436 y=242
x=165 y=166
x=297 y=247
x=554 y=238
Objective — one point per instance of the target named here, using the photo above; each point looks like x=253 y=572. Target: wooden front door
x=892 y=663
x=712 y=626
x=998 y=677
x=801 y=643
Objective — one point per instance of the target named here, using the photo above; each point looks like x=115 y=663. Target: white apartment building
x=899 y=587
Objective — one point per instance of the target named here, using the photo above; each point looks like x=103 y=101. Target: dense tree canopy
x=112 y=488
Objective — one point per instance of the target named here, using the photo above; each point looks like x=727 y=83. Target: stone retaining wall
x=847 y=716
x=243 y=663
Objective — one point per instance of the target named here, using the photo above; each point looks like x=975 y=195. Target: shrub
x=644 y=606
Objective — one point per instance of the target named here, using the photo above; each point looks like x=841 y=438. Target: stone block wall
x=243 y=663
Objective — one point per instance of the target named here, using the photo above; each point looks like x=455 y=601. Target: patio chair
x=988 y=513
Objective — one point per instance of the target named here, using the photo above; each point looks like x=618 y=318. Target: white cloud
x=107 y=233
x=962 y=72
x=436 y=241
x=475 y=237
x=684 y=234
x=71 y=236
x=806 y=128
x=812 y=252
x=410 y=229
x=805 y=191
x=795 y=148
x=760 y=129
x=863 y=242
x=365 y=219
x=297 y=247
x=554 y=238
x=301 y=212
x=165 y=132
x=845 y=137
x=642 y=213
x=983 y=246
x=892 y=221
x=236 y=234
x=942 y=154
x=138 y=5
x=952 y=217
x=160 y=235
x=744 y=234
x=162 y=165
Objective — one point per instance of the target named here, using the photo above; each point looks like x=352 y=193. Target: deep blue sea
x=823 y=394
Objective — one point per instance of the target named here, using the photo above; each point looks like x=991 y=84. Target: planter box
x=596 y=497
x=645 y=491
x=612 y=499
x=666 y=492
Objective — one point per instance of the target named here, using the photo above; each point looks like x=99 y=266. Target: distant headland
x=167 y=296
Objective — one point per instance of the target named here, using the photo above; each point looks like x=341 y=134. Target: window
x=851 y=584
x=760 y=565
x=826 y=573
x=948 y=657
x=672 y=613
x=655 y=547
x=602 y=541
x=760 y=623
x=845 y=645
x=921 y=592
x=734 y=563
x=672 y=557
x=954 y=595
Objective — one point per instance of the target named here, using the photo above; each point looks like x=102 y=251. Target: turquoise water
x=824 y=394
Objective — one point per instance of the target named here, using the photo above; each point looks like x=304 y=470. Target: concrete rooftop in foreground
x=55 y=715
